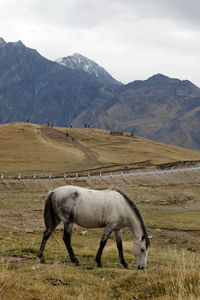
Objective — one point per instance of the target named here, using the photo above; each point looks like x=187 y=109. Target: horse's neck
x=135 y=227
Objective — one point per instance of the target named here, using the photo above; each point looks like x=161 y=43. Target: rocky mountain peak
x=159 y=76
x=18 y=44
x=82 y=63
x=2 y=42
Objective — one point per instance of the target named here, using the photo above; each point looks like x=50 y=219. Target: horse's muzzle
x=140 y=268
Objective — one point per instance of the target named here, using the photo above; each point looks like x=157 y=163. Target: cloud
x=132 y=39
x=179 y=11
x=73 y=13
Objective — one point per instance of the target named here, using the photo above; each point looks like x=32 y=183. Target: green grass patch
x=187 y=220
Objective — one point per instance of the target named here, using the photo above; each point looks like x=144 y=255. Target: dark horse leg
x=67 y=239
x=107 y=231
x=118 y=237
x=46 y=236
x=51 y=220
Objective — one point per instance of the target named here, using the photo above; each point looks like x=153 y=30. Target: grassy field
x=169 y=203
x=171 y=213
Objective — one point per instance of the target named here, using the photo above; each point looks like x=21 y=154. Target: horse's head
x=140 y=250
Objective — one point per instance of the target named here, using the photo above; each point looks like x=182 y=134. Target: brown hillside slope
x=30 y=148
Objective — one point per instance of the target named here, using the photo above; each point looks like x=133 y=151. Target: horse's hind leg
x=118 y=237
x=67 y=240
x=46 y=236
x=107 y=231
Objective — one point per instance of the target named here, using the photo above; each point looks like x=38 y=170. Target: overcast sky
x=131 y=39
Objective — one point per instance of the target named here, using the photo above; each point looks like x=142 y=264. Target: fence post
x=1 y=177
x=88 y=175
x=100 y=175
x=76 y=175
x=19 y=176
x=34 y=177
x=49 y=176
x=111 y=175
x=65 y=176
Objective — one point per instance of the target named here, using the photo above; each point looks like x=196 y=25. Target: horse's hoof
x=77 y=263
x=99 y=265
x=42 y=261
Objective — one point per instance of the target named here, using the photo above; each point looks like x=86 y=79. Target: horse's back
x=92 y=208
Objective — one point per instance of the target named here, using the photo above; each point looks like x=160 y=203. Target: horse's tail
x=51 y=219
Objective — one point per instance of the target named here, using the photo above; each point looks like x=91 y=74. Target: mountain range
x=76 y=90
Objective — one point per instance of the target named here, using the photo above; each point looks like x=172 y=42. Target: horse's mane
x=137 y=212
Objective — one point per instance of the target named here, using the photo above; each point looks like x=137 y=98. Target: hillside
x=31 y=148
x=159 y=108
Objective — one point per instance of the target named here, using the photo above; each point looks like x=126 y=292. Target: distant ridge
x=160 y=108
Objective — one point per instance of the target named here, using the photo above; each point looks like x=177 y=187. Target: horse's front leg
x=118 y=237
x=107 y=231
x=67 y=240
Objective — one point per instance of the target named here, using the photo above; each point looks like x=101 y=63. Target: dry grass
x=23 y=149
x=171 y=274
x=30 y=148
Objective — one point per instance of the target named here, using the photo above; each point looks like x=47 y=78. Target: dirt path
x=54 y=138
x=91 y=157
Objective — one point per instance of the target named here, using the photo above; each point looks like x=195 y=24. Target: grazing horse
x=110 y=209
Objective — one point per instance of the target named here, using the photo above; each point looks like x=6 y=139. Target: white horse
x=111 y=209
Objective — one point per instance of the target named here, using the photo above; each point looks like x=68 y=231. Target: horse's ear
x=143 y=238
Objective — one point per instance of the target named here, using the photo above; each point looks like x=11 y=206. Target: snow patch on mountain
x=82 y=63
x=2 y=42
